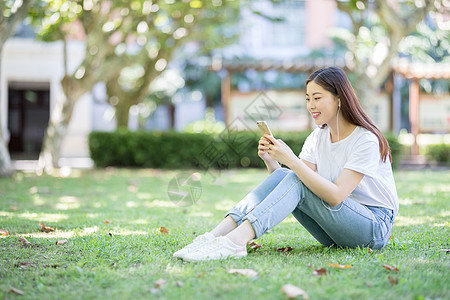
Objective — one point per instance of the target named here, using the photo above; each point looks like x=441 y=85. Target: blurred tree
x=128 y=44
x=378 y=28
x=12 y=14
x=162 y=37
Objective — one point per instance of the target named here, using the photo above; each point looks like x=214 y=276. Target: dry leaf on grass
x=158 y=286
x=159 y=283
x=284 y=249
x=60 y=242
x=44 y=228
x=254 y=246
x=320 y=272
x=338 y=266
x=106 y=221
x=3 y=232
x=390 y=268
x=15 y=291
x=163 y=230
x=293 y=291
x=246 y=272
x=132 y=189
x=392 y=281
x=24 y=241
x=25 y=264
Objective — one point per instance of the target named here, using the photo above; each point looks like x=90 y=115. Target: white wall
x=27 y=60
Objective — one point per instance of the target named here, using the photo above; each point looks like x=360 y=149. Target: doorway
x=28 y=116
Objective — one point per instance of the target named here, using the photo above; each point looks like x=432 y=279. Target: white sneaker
x=198 y=242
x=219 y=248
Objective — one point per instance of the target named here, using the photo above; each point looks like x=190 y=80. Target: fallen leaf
x=15 y=291
x=320 y=272
x=254 y=246
x=390 y=268
x=246 y=272
x=132 y=189
x=180 y=284
x=293 y=291
x=163 y=230
x=4 y=232
x=33 y=190
x=338 y=266
x=25 y=264
x=392 y=281
x=159 y=283
x=284 y=249
x=61 y=242
x=44 y=228
x=24 y=241
x=106 y=221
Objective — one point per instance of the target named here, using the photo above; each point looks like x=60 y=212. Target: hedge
x=177 y=150
x=439 y=153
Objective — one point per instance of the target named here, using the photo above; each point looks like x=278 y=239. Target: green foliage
x=396 y=147
x=228 y=149
x=439 y=153
x=171 y=149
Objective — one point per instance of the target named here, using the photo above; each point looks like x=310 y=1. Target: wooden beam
x=225 y=96
x=414 y=113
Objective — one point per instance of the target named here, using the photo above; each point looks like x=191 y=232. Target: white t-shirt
x=360 y=152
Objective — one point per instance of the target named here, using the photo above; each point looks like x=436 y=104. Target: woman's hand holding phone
x=262 y=153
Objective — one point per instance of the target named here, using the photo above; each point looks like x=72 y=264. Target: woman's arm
x=331 y=192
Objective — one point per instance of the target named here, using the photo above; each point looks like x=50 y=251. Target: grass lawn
x=115 y=249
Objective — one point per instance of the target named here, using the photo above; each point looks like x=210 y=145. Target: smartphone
x=263 y=127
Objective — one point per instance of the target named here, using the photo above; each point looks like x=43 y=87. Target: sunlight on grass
x=43 y=217
x=225 y=205
x=407 y=221
x=158 y=203
x=144 y=196
x=139 y=221
x=67 y=202
x=202 y=214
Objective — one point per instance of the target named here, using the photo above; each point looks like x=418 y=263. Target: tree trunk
x=58 y=125
x=122 y=114
x=5 y=159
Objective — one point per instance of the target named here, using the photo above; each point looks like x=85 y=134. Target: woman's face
x=321 y=104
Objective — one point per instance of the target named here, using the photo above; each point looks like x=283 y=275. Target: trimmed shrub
x=178 y=150
x=439 y=153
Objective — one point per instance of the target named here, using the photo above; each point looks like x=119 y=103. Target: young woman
x=340 y=188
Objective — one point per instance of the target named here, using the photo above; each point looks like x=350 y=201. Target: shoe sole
x=187 y=259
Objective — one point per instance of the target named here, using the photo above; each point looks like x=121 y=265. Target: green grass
x=124 y=258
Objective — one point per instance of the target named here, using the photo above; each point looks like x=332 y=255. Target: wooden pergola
x=288 y=66
x=414 y=72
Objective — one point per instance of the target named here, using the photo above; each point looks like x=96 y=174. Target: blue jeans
x=349 y=224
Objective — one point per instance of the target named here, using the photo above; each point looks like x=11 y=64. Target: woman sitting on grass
x=340 y=188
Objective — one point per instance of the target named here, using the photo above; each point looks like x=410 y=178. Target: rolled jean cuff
x=236 y=215
x=259 y=231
